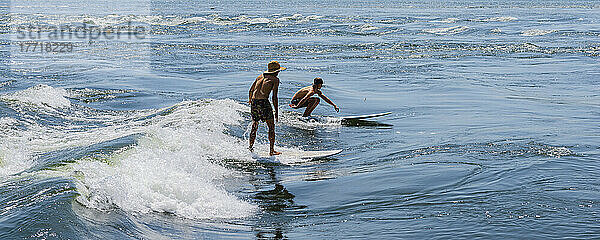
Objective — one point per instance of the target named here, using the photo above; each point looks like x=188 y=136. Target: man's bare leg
x=312 y=104
x=271 y=126
x=253 y=135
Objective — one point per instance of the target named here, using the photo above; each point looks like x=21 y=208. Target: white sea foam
x=313 y=17
x=7 y=121
x=14 y=158
x=168 y=172
x=447 y=31
x=43 y=95
x=173 y=168
x=14 y=155
x=53 y=102
x=258 y=20
x=496 y=19
x=195 y=20
x=157 y=20
x=367 y=27
x=24 y=139
x=296 y=16
x=292 y=119
x=536 y=32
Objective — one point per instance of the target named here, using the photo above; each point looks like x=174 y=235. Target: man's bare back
x=262 y=87
x=300 y=94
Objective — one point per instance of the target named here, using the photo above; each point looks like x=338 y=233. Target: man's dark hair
x=318 y=81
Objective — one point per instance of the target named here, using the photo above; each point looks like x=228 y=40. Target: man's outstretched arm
x=328 y=101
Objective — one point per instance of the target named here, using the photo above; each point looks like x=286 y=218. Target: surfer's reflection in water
x=274 y=202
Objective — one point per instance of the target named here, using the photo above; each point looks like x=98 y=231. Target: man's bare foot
x=273 y=153
x=251 y=149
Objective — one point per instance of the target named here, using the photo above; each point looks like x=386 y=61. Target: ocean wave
x=153 y=20
x=14 y=155
x=366 y=28
x=260 y=20
x=193 y=20
x=14 y=158
x=18 y=147
x=446 y=31
x=88 y=95
x=35 y=130
x=42 y=95
x=174 y=166
x=296 y=17
x=47 y=127
x=495 y=19
x=7 y=121
x=536 y=32
x=446 y=20
x=171 y=169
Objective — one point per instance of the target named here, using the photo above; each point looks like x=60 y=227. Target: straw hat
x=274 y=67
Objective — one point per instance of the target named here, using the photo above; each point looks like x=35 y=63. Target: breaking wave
x=173 y=166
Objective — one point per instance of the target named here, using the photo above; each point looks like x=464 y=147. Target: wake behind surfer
x=260 y=108
x=304 y=98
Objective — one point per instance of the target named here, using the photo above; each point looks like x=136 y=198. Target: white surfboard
x=360 y=117
x=306 y=155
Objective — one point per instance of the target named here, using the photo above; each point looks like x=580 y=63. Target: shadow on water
x=275 y=200
x=365 y=123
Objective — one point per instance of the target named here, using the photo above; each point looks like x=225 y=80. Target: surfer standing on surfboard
x=303 y=98
x=260 y=108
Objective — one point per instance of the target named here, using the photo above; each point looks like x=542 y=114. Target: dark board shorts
x=261 y=110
